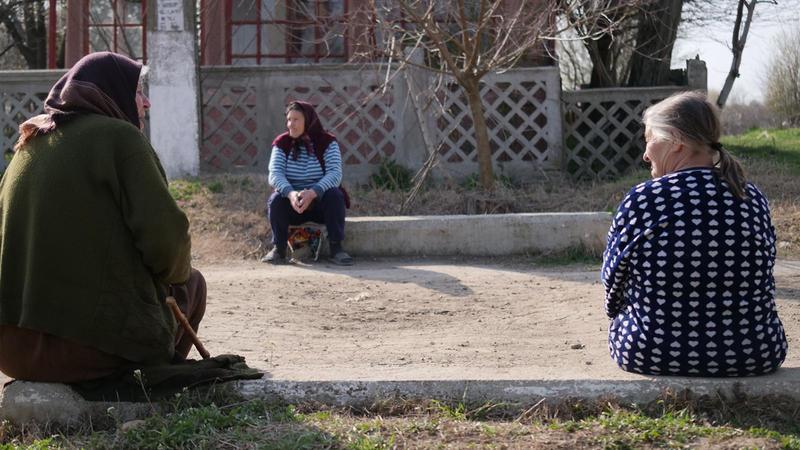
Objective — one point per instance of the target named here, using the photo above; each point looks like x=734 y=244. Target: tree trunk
x=485 y=170
x=28 y=31
x=738 y=41
x=658 y=28
x=602 y=67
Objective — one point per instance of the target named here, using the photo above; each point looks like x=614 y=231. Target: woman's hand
x=296 y=199
x=306 y=198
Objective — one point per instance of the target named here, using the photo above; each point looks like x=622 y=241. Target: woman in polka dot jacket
x=688 y=270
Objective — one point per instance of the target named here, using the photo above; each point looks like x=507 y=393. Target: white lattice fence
x=230 y=125
x=243 y=110
x=361 y=116
x=603 y=132
x=22 y=95
x=522 y=114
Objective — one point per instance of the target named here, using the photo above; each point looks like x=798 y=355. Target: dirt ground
x=420 y=319
x=425 y=319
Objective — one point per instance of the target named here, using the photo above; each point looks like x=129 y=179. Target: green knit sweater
x=89 y=238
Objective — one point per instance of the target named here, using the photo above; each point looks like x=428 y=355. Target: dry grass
x=228 y=217
x=675 y=420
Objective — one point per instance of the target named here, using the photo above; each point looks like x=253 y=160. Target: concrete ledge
x=476 y=235
x=57 y=405
x=365 y=393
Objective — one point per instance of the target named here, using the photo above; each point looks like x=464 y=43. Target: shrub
x=783 y=79
x=392 y=176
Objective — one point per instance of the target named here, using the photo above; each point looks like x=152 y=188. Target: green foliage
x=779 y=146
x=199 y=426
x=39 y=444
x=783 y=78
x=300 y=439
x=457 y=412
x=576 y=254
x=784 y=440
x=215 y=187
x=673 y=422
x=370 y=443
x=621 y=429
x=186 y=190
x=392 y=176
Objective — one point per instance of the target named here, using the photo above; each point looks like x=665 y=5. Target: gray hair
x=144 y=74
x=690 y=118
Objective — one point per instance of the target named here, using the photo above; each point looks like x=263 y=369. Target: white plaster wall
x=172 y=84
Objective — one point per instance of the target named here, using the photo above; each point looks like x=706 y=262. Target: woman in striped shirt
x=305 y=170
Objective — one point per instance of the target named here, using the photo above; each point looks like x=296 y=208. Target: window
x=117 y=26
x=263 y=32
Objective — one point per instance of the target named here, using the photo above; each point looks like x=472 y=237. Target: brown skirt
x=36 y=356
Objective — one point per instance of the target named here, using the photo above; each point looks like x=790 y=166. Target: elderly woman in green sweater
x=91 y=242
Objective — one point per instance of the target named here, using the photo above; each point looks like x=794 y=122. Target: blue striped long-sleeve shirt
x=287 y=175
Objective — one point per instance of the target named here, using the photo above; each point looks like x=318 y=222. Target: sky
x=713 y=43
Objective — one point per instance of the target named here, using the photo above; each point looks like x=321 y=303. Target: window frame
x=118 y=25
x=289 y=55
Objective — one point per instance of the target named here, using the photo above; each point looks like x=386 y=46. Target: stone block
x=55 y=404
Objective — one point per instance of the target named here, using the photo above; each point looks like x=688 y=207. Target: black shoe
x=341 y=258
x=275 y=256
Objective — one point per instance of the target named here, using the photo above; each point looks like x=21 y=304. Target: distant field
x=781 y=147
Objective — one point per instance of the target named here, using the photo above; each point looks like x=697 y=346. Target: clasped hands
x=301 y=200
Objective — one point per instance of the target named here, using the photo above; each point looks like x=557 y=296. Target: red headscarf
x=315 y=138
x=100 y=83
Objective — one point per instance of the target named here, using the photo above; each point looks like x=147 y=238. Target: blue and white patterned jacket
x=688 y=275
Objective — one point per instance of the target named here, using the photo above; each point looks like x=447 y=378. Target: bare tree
x=638 y=51
x=25 y=22
x=656 y=32
x=467 y=39
x=783 y=79
x=740 y=31
x=610 y=50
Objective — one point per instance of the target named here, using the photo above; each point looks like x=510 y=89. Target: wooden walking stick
x=187 y=328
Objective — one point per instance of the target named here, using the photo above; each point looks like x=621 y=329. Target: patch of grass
x=622 y=429
x=296 y=439
x=778 y=146
x=788 y=441
x=215 y=187
x=577 y=254
x=370 y=443
x=631 y=429
x=674 y=421
x=202 y=426
x=39 y=444
x=455 y=412
x=188 y=190
x=488 y=430
x=185 y=190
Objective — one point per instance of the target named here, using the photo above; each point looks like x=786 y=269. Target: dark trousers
x=328 y=210
x=36 y=356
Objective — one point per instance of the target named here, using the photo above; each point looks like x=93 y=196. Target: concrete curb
x=57 y=404
x=644 y=390
x=476 y=235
